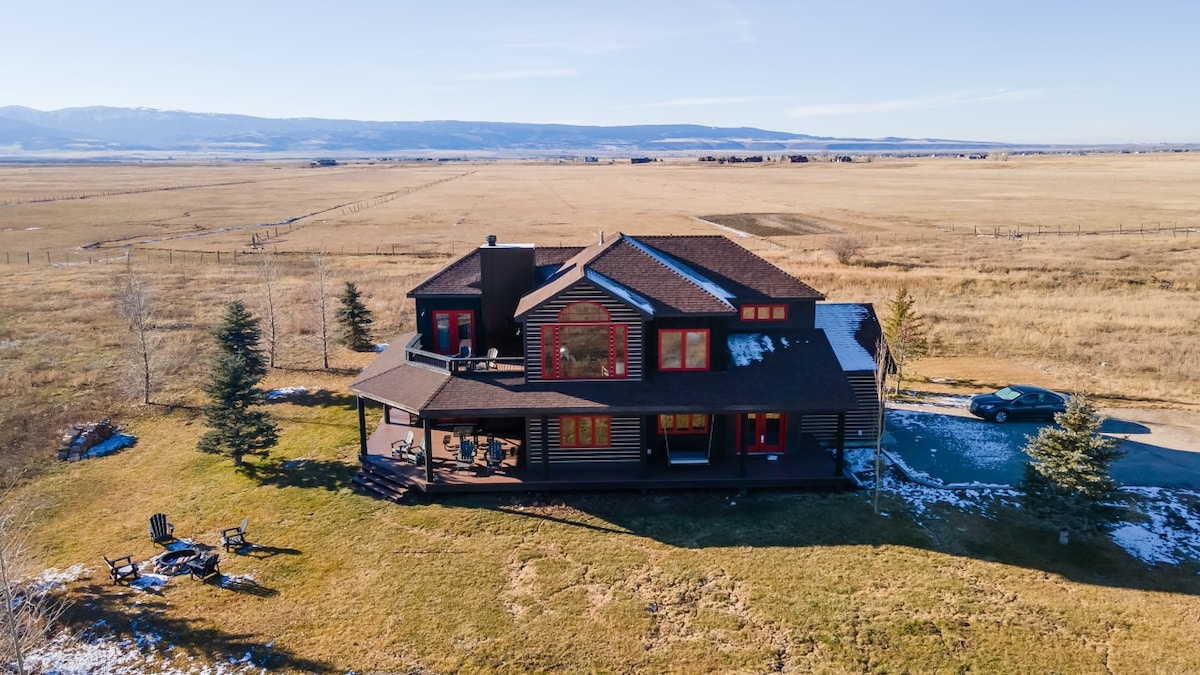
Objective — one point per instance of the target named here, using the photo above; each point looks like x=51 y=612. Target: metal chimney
x=491 y=240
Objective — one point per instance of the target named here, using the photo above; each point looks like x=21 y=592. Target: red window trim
x=562 y=426
x=683 y=333
x=452 y=314
x=770 y=312
x=616 y=331
x=602 y=308
x=675 y=430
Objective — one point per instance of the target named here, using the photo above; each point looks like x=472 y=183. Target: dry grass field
x=1099 y=293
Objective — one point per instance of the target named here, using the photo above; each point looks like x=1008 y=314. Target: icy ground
x=1163 y=526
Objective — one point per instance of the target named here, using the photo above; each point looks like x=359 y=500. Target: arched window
x=584 y=344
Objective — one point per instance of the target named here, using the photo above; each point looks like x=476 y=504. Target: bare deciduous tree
x=31 y=608
x=844 y=248
x=132 y=298
x=270 y=276
x=320 y=289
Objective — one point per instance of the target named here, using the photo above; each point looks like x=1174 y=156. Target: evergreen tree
x=1067 y=478
x=905 y=333
x=237 y=426
x=354 y=318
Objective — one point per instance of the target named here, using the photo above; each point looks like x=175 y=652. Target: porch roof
x=802 y=378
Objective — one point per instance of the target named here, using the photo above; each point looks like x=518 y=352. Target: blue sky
x=1011 y=70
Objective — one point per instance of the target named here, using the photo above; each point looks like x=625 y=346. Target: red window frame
x=552 y=345
x=683 y=352
x=765 y=312
x=576 y=422
x=452 y=315
x=688 y=425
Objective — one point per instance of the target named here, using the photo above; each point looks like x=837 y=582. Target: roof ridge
x=682 y=270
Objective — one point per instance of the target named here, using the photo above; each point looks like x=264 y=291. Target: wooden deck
x=812 y=469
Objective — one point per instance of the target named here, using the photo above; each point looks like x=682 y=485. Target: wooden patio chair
x=466 y=454
x=161 y=532
x=489 y=362
x=234 y=537
x=122 y=569
x=204 y=566
x=402 y=446
x=495 y=454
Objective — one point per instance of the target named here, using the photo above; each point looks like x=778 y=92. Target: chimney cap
x=491 y=240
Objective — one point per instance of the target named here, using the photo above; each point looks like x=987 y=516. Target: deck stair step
x=380 y=485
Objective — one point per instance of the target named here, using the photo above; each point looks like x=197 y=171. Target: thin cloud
x=521 y=74
x=897 y=105
x=699 y=102
x=582 y=47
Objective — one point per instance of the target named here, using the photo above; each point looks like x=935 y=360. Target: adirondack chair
x=234 y=537
x=204 y=566
x=495 y=454
x=121 y=569
x=161 y=531
x=490 y=356
x=403 y=446
x=466 y=454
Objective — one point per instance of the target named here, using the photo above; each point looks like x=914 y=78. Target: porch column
x=427 y=433
x=545 y=448
x=362 y=427
x=387 y=414
x=840 y=463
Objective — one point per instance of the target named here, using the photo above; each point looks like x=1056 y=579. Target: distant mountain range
x=130 y=132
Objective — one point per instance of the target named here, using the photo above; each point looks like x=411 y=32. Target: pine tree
x=237 y=426
x=905 y=333
x=1067 y=478
x=354 y=318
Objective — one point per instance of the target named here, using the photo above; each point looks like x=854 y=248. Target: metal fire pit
x=175 y=562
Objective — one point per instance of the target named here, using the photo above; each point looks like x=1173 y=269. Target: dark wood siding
x=863 y=420
x=584 y=291
x=625 y=436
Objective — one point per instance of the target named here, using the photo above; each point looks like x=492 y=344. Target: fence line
x=260 y=244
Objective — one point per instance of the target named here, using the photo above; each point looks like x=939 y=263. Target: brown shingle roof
x=391 y=379
x=732 y=267
x=461 y=277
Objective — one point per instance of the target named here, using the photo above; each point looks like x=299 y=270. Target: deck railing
x=456 y=364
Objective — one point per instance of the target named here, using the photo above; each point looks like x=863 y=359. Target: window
x=683 y=349
x=584 y=345
x=764 y=312
x=451 y=328
x=584 y=431
x=683 y=424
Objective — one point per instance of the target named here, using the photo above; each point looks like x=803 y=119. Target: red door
x=452 y=329
x=762 y=433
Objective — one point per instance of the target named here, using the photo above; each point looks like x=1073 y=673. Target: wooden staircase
x=376 y=482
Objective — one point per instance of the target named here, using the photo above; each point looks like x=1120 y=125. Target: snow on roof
x=684 y=271
x=840 y=321
x=620 y=291
x=746 y=348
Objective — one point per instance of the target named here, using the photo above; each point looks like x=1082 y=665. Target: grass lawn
x=671 y=582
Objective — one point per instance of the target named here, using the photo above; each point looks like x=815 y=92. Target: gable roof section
x=671 y=286
x=461 y=277
x=732 y=267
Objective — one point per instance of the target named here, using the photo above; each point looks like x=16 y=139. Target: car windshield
x=1007 y=393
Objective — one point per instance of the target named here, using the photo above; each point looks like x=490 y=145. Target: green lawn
x=668 y=582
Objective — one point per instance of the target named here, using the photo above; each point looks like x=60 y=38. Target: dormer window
x=584 y=344
x=764 y=313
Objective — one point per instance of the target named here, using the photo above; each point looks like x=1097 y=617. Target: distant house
x=323 y=162
x=636 y=362
x=641 y=160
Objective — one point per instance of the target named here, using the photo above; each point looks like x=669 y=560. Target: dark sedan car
x=1018 y=402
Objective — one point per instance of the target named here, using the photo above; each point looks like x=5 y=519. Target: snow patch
x=746 y=348
x=284 y=393
x=379 y=348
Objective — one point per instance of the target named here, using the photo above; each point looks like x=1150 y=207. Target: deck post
x=545 y=448
x=427 y=434
x=387 y=414
x=840 y=463
x=362 y=428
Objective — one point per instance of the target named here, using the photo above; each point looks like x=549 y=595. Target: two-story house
x=637 y=362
